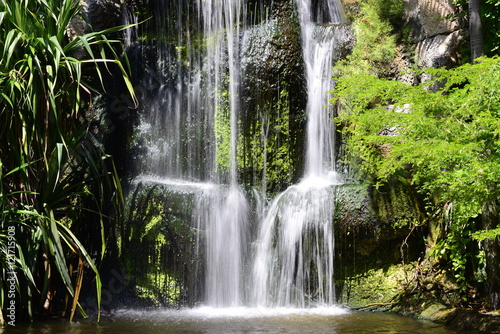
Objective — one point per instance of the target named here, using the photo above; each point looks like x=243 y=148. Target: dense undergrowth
x=56 y=179
x=441 y=136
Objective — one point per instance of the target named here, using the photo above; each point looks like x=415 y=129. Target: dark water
x=242 y=320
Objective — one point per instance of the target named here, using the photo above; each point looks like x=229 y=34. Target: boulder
x=435 y=30
x=429 y=18
x=439 y=50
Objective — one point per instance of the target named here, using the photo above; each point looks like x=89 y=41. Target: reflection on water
x=242 y=320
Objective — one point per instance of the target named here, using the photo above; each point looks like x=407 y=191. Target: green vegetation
x=378 y=287
x=157 y=246
x=490 y=20
x=267 y=149
x=222 y=129
x=374 y=29
x=264 y=145
x=442 y=137
x=54 y=174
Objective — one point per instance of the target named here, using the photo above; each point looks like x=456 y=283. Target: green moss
x=153 y=286
x=222 y=130
x=376 y=286
x=434 y=311
x=267 y=145
x=351 y=197
x=397 y=203
x=392 y=207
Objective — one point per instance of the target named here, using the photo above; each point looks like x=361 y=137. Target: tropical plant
x=54 y=173
x=443 y=137
x=483 y=18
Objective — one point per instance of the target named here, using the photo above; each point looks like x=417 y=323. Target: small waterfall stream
x=294 y=263
x=189 y=132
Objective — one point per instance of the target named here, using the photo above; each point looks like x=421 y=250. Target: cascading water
x=198 y=95
x=223 y=216
x=188 y=134
x=227 y=219
x=294 y=262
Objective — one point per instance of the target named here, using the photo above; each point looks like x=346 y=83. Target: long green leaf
x=72 y=238
x=2 y=17
x=58 y=253
x=53 y=165
x=10 y=46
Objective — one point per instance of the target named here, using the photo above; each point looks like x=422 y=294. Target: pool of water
x=241 y=320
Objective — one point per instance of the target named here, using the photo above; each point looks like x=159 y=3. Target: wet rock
x=273 y=86
x=374 y=239
x=375 y=289
x=463 y=318
x=272 y=57
x=435 y=33
x=103 y=14
x=439 y=50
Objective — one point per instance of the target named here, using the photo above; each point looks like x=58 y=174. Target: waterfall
x=294 y=261
x=184 y=132
x=319 y=46
x=223 y=215
x=187 y=141
x=227 y=219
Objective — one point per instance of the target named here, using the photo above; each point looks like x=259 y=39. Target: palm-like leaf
x=43 y=141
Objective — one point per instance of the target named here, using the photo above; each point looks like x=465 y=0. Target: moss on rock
x=273 y=82
x=375 y=287
x=377 y=237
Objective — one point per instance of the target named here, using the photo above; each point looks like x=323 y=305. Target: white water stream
x=291 y=263
x=294 y=263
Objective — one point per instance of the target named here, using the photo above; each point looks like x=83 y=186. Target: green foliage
x=222 y=130
x=375 y=38
x=157 y=245
x=442 y=136
x=53 y=171
x=456 y=249
x=263 y=146
x=267 y=143
x=490 y=21
x=489 y=234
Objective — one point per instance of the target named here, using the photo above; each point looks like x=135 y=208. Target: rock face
x=100 y=14
x=434 y=31
x=273 y=100
x=429 y=18
x=486 y=323
x=439 y=50
x=103 y=13
x=375 y=237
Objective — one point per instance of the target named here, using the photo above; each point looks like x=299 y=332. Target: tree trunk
x=492 y=252
x=475 y=30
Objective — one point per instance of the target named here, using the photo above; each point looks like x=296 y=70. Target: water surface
x=242 y=320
